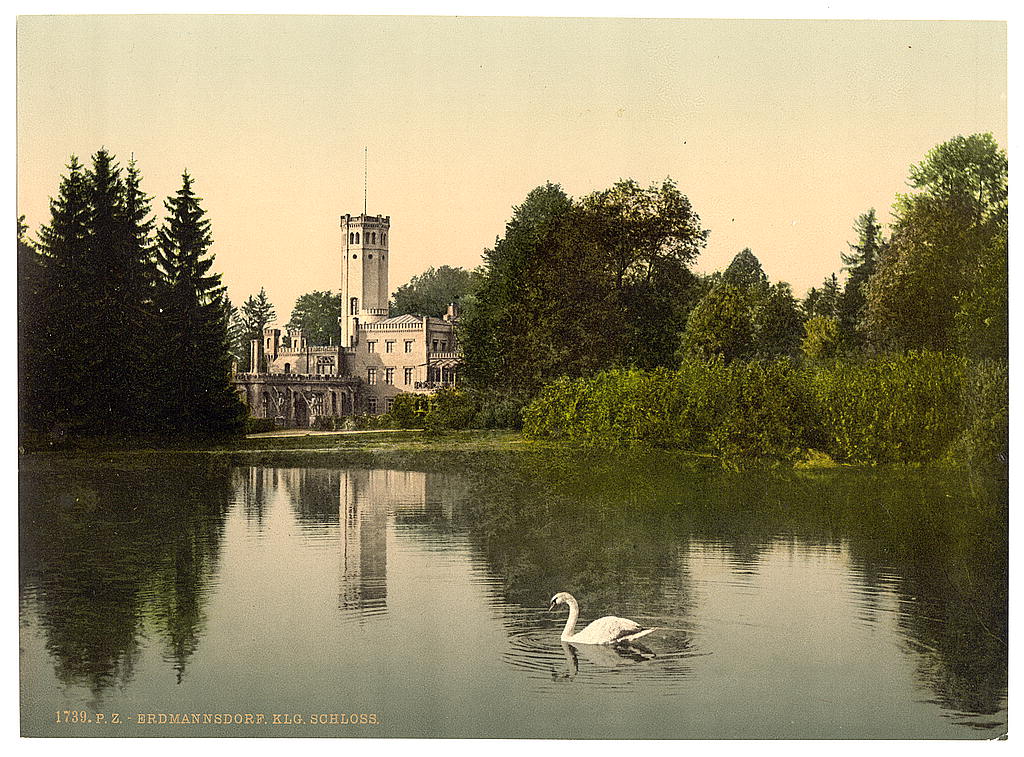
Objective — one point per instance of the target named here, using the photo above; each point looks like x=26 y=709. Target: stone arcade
x=379 y=357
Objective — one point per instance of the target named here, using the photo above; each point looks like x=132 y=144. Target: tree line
x=123 y=325
x=579 y=286
x=599 y=293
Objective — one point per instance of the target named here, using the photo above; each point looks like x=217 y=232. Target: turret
x=364 y=272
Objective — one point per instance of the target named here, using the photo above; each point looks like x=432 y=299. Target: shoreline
x=412 y=449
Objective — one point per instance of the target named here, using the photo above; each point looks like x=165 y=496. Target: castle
x=379 y=357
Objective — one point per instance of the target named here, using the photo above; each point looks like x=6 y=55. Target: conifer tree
x=105 y=301
x=196 y=361
x=138 y=235
x=31 y=326
x=257 y=312
x=63 y=361
x=861 y=262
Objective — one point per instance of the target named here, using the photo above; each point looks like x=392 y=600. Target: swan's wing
x=608 y=630
x=626 y=629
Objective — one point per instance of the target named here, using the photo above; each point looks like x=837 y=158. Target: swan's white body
x=606 y=630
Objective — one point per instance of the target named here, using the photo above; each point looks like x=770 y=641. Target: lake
x=188 y=596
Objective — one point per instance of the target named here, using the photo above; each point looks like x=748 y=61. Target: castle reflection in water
x=356 y=507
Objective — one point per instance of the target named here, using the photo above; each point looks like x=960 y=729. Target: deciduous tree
x=432 y=291
x=942 y=282
x=317 y=314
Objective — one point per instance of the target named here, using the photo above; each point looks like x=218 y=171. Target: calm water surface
x=849 y=604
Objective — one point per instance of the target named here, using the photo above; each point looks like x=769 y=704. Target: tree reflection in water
x=109 y=555
x=937 y=539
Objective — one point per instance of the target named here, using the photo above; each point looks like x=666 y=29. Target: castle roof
x=401 y=320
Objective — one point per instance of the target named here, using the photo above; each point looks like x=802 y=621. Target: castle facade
x=379 y=357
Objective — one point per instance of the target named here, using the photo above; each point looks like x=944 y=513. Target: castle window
x=370 y=256
x=373 y=238
x=371 y=375
x=351 y=237
x=408 y=376
x=434 y=347
x=371 y=346
x=389 y=346
x=389 y=375
x=444 y=346
x=355 y=257
x=287 y=367
x=389 y=403
x=353 y=306
x=357 y=237
x=408 y=345
x=371 y=404
x=383 y=239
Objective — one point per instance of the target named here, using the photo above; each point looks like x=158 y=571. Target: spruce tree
x=198 y=397
x=257 y=313
x=31 y=329
x=105 y=300
x=861 y=262
x=65 y=363
x=138 y=233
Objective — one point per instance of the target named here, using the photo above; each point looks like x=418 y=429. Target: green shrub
x=914 y=407
x=897 y=408
x=753 y=409
x=259 y=425
x=983 y=441
x=407 y=411
x=450 y=409
x=324 y=423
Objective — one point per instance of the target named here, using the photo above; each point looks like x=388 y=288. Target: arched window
x=357 y=237
x=383 y=239
x=351 y=237
x=287 y=367
x=353 y=306
x=373 y=238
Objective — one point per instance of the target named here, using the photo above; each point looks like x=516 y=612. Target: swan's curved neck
x=574 y=612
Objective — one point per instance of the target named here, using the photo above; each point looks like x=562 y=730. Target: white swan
x=606 y=630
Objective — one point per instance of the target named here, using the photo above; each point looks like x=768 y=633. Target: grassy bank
x=407 y=450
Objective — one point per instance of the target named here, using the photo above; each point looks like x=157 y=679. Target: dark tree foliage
x=432 y=291
x=119 y=295
x=238 y=345
x=317 y=314
x=500 y=335
x=720 y=324
x=32 y=328
x=198 y=398
x=778 y=325
x=743 y=316
x=745 y=271
x=824 y=302
x=58 y=349
x=575 y=287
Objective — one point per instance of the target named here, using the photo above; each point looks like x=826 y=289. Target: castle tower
x=364 y=273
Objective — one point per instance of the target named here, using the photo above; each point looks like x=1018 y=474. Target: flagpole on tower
x=364 y=180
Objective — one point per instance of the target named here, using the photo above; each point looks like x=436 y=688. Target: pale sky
x=781 y=133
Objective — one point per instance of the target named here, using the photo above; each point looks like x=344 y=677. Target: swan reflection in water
x=607 y=656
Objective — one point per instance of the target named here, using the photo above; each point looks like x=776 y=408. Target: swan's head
x=560 y=598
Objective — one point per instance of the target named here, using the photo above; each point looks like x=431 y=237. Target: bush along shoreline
x=917 y=407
